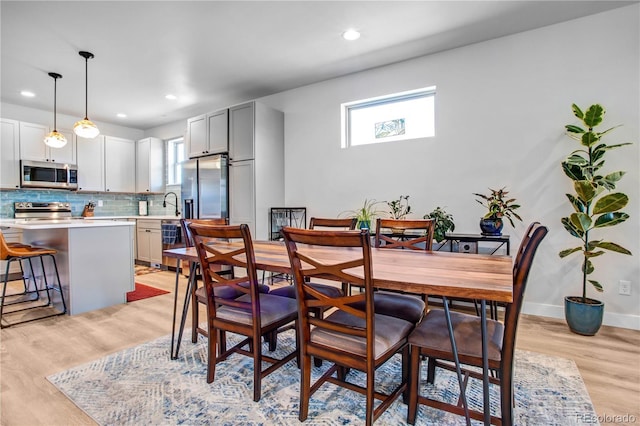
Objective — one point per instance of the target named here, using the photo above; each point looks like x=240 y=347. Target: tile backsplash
x=112 y=204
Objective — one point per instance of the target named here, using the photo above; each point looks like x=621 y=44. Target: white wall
x=501 y=109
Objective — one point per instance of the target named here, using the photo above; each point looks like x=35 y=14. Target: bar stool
x=16 y=252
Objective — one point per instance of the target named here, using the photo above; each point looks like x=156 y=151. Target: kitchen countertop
x=62 y=223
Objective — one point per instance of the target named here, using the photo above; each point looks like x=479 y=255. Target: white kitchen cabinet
x=32 y=145
x=149 y=241
x=242 y=196
x=208 y=134
x=90 y=155
x=242 y=132
x=150 y=165
x=197 y=136
x=256 y=166
x=218 y=131
x=10 y=154
x=119 y=164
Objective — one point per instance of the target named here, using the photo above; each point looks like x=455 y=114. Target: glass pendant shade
x=86 y=129
x=55 y=139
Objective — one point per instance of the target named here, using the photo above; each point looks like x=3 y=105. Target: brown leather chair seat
x=397 y=305
x=227 y=292
x=290 y=290
x=433 y=335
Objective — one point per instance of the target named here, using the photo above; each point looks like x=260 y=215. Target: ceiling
x=212 y=54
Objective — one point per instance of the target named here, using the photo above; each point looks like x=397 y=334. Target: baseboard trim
x=553 y=311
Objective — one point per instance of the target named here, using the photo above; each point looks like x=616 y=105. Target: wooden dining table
x=456 y=275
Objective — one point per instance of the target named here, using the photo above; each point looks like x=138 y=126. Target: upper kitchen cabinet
x=90 y=163
x=150 y=165
x=32 y=145
x=242 y=127
x=208 y=134
x=256 y=165
x=119 y=164
x=10 y=154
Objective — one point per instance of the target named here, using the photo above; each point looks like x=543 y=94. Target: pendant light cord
x=55 y=97
x=86 y=88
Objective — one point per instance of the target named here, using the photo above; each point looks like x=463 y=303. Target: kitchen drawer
x=148 y=224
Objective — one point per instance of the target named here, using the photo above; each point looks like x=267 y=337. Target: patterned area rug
x=141 y=385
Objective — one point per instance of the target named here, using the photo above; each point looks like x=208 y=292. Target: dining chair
x=29 y=300
x=349 y=338
x=431 y=339
x=419 y=237
x=198 y=294
x=328 y=290
x=253 y=314
x=392 y=233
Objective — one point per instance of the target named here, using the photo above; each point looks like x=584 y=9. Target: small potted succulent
x=498 y=206
x=443 y=223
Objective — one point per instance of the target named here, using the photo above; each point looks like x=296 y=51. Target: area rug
x=143 y=291
x=141 y=385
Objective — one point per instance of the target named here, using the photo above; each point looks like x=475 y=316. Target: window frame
x=174 y=145
x=348 y=107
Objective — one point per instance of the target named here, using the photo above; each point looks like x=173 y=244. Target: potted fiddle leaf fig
x=596 y=207
x=498 y=206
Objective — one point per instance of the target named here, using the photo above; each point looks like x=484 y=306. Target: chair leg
x=506 y=399
x=305 y=387
x=257 y=367
x=431 y=370
x=211 y=354
x=195 y=315
x=414 y=385
x=55 y=267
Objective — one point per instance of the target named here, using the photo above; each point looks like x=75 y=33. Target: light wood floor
x=609 y=362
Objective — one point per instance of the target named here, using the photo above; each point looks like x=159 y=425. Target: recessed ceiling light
x=351 y=35
x=27 y=94
x=171 y=97
x=121 y=115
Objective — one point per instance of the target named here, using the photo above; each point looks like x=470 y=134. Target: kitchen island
x=95 y=258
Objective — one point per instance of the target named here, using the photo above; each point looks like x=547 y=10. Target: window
x=391 y=118
x=175 y=155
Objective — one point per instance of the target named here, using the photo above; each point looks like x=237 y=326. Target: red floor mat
x=143 y=292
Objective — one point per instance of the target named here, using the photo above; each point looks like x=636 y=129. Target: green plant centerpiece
x=443 y=223
x=498 y=206
x=595 y=207
x=400 y=208
x=366 y=214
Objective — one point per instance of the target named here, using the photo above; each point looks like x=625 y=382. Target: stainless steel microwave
x=37 y=174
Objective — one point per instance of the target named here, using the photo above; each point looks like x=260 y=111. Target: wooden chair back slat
x=391 y=233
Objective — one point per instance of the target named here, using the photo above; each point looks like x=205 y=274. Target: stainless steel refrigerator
x=205 y=190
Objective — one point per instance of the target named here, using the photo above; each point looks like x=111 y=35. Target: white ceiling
x=213 y=54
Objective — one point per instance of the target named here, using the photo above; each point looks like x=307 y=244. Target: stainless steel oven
x=39 y=174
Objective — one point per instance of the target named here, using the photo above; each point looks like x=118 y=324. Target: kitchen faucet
x=164 y=202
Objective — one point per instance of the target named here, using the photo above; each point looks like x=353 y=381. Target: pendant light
x=55 y=139
x=85 y=128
